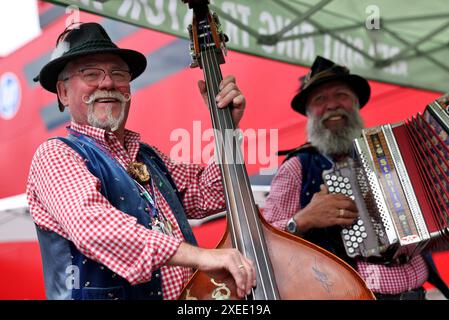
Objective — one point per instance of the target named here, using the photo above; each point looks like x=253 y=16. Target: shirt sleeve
x=201 y=187
x=283 y=200
x=65 y=197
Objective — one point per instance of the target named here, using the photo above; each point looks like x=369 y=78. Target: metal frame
x=272 y=39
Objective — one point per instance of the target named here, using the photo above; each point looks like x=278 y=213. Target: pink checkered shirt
x=65 y=197
x=283 y=202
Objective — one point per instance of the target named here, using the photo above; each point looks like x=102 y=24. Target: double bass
x=287 y=267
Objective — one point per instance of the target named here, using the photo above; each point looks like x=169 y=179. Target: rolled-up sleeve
x=283 y=200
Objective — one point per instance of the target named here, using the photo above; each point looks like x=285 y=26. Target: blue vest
x=313 y=164
x=71 y=275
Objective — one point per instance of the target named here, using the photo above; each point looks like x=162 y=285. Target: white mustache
x=99 y=94
x=111 y=122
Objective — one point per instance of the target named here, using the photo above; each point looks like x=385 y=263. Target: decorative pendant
x=139 y=171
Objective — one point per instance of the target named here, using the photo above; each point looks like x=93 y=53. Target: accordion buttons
x=364 y=235
x=356 y=227
x=345 y=231
x=351 y=250
x=360 y=222
x=362 y=228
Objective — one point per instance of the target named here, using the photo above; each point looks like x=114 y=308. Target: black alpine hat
x=324 y=71
x=85 y=39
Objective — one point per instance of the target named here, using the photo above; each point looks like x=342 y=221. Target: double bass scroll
x=287 y=267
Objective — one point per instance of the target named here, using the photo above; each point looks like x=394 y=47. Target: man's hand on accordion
x=325 y=210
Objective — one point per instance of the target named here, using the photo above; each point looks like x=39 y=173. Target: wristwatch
x=291 y=226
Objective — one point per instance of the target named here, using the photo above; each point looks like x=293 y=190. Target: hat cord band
x=94 y=44
x=325 y=73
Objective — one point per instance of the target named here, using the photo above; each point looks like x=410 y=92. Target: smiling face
x=104 y=105
x=334 y=119
x=331 y=103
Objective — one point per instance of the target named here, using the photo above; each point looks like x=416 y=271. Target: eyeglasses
x=94 y=76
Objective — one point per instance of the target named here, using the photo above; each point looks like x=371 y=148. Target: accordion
x=399 y=180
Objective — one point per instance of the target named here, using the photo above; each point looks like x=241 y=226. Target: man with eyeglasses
x=110 y=211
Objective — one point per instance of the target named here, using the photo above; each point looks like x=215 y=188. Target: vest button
x=87 y=284
x=122 y=198
x=159 y=293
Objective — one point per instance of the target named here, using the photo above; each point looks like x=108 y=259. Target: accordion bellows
x=399 y=179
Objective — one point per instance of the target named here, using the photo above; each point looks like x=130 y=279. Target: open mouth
x=106 y=100
x=335 y=120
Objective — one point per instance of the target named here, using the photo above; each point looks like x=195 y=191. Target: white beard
x=110 y=123
x=335 y=143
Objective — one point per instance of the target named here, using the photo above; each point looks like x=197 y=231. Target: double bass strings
x=225 y=122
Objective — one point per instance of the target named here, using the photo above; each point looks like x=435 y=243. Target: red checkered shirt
x=65 y=197
x=283 y=202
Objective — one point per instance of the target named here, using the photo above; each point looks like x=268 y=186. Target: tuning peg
x=223 y=37
x=193 y=56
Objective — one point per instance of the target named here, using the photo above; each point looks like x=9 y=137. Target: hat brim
x=360 y=86
x=48 y=77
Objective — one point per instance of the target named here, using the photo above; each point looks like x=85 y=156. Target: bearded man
x=331 y=99
x=111 y=211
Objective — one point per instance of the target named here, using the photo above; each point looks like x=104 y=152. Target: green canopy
x=404 y=42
